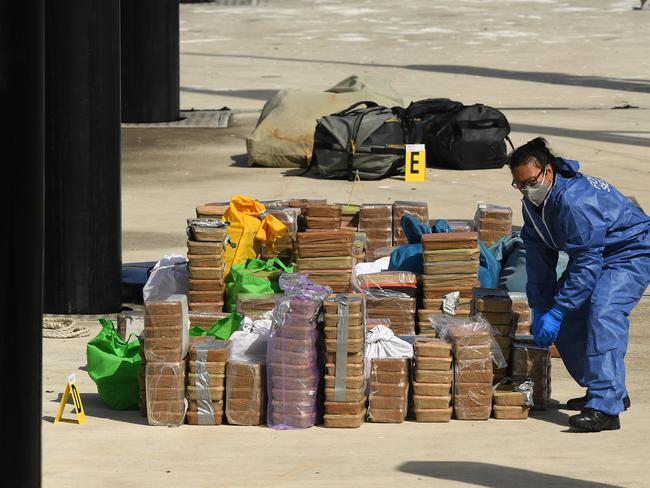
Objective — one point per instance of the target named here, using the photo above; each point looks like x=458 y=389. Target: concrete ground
x=557 y=68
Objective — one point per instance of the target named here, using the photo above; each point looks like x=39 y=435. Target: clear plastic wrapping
x=166 y=328
x=246 y=393
x=206 y=381
x=400 y=208
x=345 y=384
x=255 y=304
x=431 y=400
x=492 y=222
x=389 y=388
x=288 y=216
x=528 y=361
x=292 y=356
x=130 y=324
x=165 y=393
x=522 y=316
x=210 y=230
x=513 y=399
x=338 y=242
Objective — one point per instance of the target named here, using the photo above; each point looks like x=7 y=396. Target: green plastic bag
x=114 y=366
x=256 y=276
x=222 y=328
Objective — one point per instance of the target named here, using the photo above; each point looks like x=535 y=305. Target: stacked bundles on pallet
x=451 y=264
x=512 y=401
x=460 y=307
x=345 y=381
x=245 y=393
x=531 y=361
x=302 y=204
x=253 y=305
x=389 y=387
x=213 y=210
x=472 y=370
x=166 y=339
x=495 y=305
x=323 y=217
x=432 y=385
x=522 y=315
x=206 y=373
x=292 y=355
x=492 y=222
x=350 y=217
x=326 y=256
x=392 y=295
x=418 y=209
x=376 y=220
x=205 y=253
x=284 y=247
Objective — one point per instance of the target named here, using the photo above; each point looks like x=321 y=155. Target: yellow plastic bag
x=250 y=227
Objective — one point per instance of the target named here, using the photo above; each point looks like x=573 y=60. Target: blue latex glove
x=549 y=327
x=537 y=320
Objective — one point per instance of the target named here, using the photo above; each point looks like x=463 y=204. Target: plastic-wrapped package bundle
x=391 y=295
x=205 y=320
x=389 y=388
x=206 y=373
x=213 y=210
x=165 y=393
x=345 y=383
x=522 y=316
x=529 y=361
x=323 y=217
x=288 y=216
x=451 y=264
x=492 y=222
x=513 y=399
x=205 y=255
x=350 y=217
x=255 y=304
x=460 y=226
x=166 y=328
x=376 y=220
x=246 y=393
x=400 y=208
x=474 y=350
x=495 y=306
x=327 y=257
x=130 y=324
x=292 y=356
x=432 y=385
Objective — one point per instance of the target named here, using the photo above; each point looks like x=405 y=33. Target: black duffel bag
x=458 y=136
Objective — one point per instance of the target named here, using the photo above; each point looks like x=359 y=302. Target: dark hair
x=535 y=151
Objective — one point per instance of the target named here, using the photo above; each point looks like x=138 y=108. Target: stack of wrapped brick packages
x=212 y=210
x=283 y=248
x=492 y=222
x=205 y=320
x=418 y=209
x=166 y=339
x=451 y=265
x=391 y=295
x=471 y=341
x=302 y=204
x=327 y=257
x=528 y=361
x=376 y=221
x=512 y=401
x=389 y=389
x=206 y=373
x=323 y=217
x=246 y=393
x=205 y=254
x=432 y=385
x=345 y=380
x=253 y=305
x=350 y=217
x=522 y=316
x=495 y=306
x=292 y=356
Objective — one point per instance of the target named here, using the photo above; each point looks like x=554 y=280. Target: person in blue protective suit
x=585 y=313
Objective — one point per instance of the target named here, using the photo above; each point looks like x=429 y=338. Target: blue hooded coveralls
x=607 y=239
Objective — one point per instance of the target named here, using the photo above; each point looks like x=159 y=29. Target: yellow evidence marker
x=71 y=389
x=416 y=163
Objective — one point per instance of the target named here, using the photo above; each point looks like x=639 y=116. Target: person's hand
x=537 y=320
x=549 y=327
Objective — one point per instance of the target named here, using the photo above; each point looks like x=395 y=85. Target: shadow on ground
x=95 y=407
x=494 y=476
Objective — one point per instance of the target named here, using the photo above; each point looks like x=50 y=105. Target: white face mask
x=537 y=193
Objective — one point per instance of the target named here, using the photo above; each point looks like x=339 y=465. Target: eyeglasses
x=529 y=182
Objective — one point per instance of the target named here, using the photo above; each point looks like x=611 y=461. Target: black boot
x=578 y=404
x=590 y=420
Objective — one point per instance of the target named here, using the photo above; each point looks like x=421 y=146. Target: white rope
x=63 y=328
